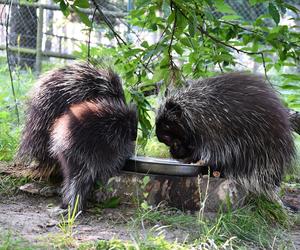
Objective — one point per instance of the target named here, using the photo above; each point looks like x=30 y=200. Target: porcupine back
x=54 y=93
x=239 y=123
x=91 y=141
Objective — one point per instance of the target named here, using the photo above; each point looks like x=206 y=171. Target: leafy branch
x=204 y=32
x=119 y=39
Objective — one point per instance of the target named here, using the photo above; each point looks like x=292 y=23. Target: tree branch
x=216 y=40
x=119 y=39
x=109 y=24
x=259 y=33
x=90 y=31
x=172 y=64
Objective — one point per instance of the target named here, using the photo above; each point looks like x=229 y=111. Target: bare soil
x=35 y=218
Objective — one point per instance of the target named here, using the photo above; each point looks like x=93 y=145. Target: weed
x=11 y=242
x=66 y=226
x=9 y=127
x=9 y=185
x=260 y=223
x=65 y=238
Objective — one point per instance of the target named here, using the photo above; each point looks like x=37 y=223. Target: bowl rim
x=161 y=161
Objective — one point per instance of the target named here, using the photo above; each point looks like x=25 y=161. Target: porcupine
x=78 y=119
x=234 y=121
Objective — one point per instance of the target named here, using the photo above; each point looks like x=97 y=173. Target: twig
x=265 y=69
x=219 y=65
x=161 y=36
x=130 y=29
x=89 y=40
x=173 y=29
x=8 y=64
x=258 y=32
x=119 y=39
x=109 y=24
x=230 y=46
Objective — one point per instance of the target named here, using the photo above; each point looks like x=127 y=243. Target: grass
x=23 y=80
x=259 y=223
x=9 y=185
x=9 y=127
x=65 y=238
x=10 y=242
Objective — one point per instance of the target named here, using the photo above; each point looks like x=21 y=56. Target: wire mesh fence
x=33 y=32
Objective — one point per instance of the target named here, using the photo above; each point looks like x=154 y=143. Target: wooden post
x=39 y=40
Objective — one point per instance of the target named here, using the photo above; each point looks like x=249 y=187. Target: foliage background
x=203 y=38
x=194 y=39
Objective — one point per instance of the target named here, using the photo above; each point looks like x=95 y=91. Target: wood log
x=184 y=193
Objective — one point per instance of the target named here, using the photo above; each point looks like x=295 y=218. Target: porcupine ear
x=116 y=84
x=174 y=108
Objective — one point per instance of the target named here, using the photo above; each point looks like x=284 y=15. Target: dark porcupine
x=234 y=121
x=78 y=119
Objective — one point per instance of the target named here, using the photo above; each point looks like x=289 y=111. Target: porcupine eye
x=166 y=127
x=177 y=150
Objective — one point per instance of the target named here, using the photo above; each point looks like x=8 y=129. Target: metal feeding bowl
x=150 y=165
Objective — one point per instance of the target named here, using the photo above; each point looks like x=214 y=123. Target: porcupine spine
x=77 y=118
x=238 y=122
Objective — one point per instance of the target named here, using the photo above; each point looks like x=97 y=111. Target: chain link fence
x=33 y=32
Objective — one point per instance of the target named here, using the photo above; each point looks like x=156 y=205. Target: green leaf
x=230 y=17
x=274 y=13
x=291 y=77
x=268 y=67
x=181 y=23
x=253 y=2
x=178 y=49
x=186 y=41
x=209 y=2
x=146 y=180
x=64 y=8
x=292 y=8
x=171 y=18
x=223 y=7
x=193 y=25
x=111 y=203
x=83 y=17
x=290 y=87
x=82 y=3
x=145 y=44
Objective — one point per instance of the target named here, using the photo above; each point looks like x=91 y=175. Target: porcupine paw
x=58 y=211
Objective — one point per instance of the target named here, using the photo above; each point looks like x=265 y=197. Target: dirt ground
x=35 y=218
x=31 y=217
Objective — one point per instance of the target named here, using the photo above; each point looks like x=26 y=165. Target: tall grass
x=23 y=80
x=9 y=127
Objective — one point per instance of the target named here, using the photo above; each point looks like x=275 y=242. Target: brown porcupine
x=234 y=121
x=78 y=119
